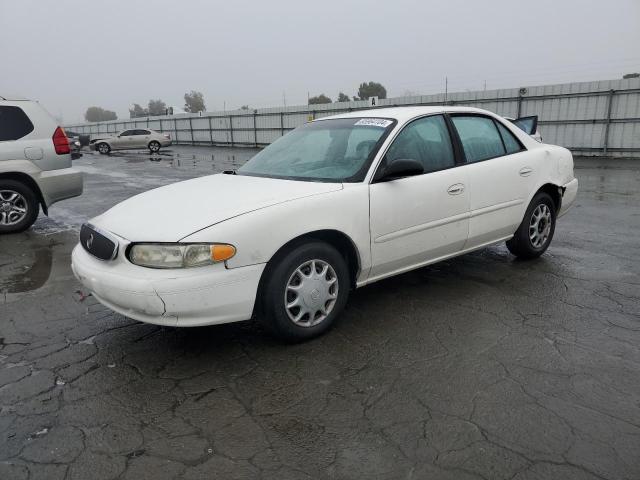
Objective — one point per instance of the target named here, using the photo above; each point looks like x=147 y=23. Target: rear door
x=418 y=219
x=501 y=174
x=141 y=138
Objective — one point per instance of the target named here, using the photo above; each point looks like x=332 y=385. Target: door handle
x=455 y=189
x=525 y=171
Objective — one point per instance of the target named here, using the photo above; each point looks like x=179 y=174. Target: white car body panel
x=394 y=226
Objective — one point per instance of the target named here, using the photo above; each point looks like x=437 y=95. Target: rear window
x=510 y=142
x=14 y=123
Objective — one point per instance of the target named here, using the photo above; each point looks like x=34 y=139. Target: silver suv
x=131 y=139
x=35 y=164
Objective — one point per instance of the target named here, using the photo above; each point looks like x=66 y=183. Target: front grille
x=98 y=243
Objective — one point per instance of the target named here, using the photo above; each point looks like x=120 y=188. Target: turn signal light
x=222 y=252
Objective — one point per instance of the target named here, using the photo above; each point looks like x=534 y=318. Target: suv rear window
x=14 y=123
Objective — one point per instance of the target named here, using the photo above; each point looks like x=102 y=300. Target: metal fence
x=590 y=118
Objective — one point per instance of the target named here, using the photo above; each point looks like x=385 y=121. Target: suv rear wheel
x=19 y=206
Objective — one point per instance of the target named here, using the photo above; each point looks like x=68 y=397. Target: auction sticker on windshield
x=373 y=122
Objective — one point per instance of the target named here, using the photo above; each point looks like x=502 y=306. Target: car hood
x=172 y=212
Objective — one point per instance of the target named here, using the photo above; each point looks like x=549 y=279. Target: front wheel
x=305 y=291
x=104 y=148
x=154 y=147
x=536 y=230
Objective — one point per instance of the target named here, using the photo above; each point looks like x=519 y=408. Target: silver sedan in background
x=132 y=139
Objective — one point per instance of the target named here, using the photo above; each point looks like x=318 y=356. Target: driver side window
x=426 y=140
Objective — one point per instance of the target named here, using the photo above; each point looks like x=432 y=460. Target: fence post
x=175 y=128
x=519 y=103
x=231 y=128
x=255 y=131
x=191 y=131
x=605 y=145
x=281 y=124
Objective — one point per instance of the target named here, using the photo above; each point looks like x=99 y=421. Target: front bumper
x=570 y=191
x=176 y=297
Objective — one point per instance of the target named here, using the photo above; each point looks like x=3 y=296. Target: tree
x=371 y=89
x=157 y=107
x=98 y=114
x=194 y=102
x=343 y=98
x=322 y=98
x=138 y=111
x=244 y=107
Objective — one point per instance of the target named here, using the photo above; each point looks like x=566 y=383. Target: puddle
x=31 y=276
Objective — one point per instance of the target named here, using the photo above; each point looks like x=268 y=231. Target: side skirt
x=429 y=262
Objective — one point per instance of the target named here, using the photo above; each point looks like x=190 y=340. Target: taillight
x=166 y=135
x=60 y=141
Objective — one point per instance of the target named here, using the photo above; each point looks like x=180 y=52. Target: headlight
x=179 y=255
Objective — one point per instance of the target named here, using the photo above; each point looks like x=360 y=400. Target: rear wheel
x=305 y=292
x=536 y=230
x=104 y=148
x=19 y=206
x=154 y=146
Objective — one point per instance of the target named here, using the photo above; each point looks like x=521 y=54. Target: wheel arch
x=339 y=240
x=31 y=183
x=554 y=191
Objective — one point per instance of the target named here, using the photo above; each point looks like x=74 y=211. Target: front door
x=124 y=140
x=418 y=219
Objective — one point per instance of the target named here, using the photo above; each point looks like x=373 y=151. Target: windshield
x=325 y=150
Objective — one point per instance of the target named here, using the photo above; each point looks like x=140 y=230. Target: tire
x=103 y=148
x=294 y=269
x=154 y=146
x=536 y=230
x=19 y=206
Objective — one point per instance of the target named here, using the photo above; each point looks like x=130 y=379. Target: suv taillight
x=60 y=142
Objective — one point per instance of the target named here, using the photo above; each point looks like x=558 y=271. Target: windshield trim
x=359 y=176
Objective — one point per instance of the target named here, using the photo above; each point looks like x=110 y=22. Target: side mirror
x=401 y=167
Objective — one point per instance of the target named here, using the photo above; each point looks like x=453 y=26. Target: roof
x=405 y=113
x=12 y=97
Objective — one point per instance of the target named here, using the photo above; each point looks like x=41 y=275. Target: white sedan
x=334 y=205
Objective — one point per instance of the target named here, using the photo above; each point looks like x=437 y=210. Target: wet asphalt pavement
x=481 y=367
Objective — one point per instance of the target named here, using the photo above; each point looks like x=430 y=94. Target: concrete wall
x=590 y=118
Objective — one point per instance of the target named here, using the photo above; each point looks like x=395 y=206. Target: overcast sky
x=73 y=54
